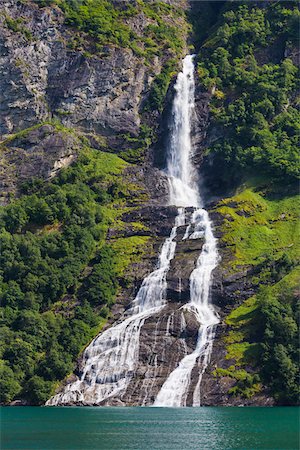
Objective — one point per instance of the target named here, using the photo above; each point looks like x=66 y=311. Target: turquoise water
x=149 y=428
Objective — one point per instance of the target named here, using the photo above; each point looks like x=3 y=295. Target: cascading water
x=180 y=170
x=184 y=192
x=175 y=390
x=110 y=361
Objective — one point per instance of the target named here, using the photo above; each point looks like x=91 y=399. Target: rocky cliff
x=63 y=95
x=96 y=94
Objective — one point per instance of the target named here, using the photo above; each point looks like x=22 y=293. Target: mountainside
x=85 y=123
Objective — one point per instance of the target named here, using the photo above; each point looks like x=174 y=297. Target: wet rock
x=159 y=220
x=165 y=339
x=181 y=267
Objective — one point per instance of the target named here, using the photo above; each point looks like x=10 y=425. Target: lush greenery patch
x=247 y=64
x=136 y=147
x=58 y=278
x=254 y=103
x=261 y=231
x=246 y=385
x=278 y=311
x=160 y=86
x=264 y=332
x=108 y=23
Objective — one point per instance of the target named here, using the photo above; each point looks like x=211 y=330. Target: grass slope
x=261 y=231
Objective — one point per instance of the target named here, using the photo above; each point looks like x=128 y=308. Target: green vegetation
x=261 y=231
x=136 y=147
x=247 y=64
x=108 y=23
x=160 y=86
x=246 y=385
x=254 y=102
x=101 y=20
x=278 y=310
x=58 y=277
x=129 y=249
x=17 y=25
x=264 y=333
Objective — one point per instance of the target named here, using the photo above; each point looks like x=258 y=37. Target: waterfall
x=184 y=192
x=180 y=170
x=110 y=361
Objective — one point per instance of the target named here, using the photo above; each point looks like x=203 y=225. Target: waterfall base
x=144 y=353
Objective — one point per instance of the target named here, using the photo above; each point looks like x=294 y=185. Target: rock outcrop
x=40 y=153
x=43 y=80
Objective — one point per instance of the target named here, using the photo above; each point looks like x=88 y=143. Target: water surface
x=149 y=428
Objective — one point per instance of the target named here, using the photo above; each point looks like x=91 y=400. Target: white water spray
x=184 y=192
x=180 y=170
x=111 y=360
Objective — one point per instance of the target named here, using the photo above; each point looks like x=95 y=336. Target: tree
x=9 y=385
x=15 y=217
x=38 y=390
x=12 y=295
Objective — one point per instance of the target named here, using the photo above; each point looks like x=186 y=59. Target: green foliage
x=261 y=230
x=136 y=146
x=270 y=321
x=52 y=303
x=9 y=386
x=38 y=390
x=246 y=387
x=17 y=25
x=252 y=100
x=100 y=287
x=129 y=250
x=108 y=23
x=160 y=86
x=246 y=384
x=100 y=19
x=279 y=316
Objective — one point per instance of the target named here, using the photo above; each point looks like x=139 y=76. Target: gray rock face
x=42 y=77
x=40 y=153
x=98 y=95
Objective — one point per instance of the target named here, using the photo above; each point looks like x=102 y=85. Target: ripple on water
x=149 y=428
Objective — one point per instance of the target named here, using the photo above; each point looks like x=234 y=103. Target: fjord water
x=149 y=428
